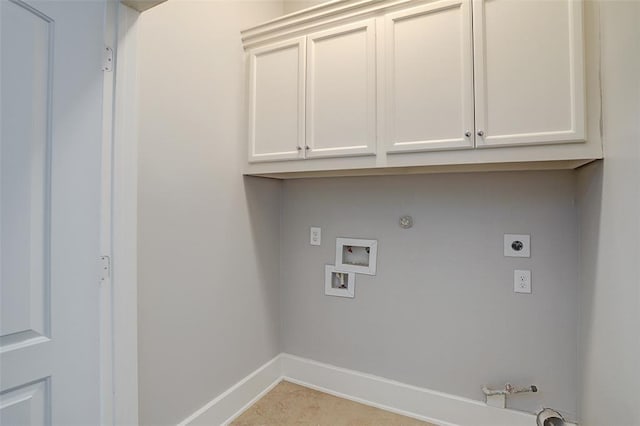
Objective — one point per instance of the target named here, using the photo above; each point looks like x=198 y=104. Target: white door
x=429 y=77
x=50 y=195
x=341 y=91
x=529 y=72
x=276 y=101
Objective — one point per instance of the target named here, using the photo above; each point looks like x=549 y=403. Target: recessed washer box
x=356 y=255
x=337 y=283
x=517 y=245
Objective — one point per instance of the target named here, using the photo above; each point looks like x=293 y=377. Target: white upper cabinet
x=411 y=86
x=276 y=104
x=429 y=77
x=529 y=72
x=341 y=91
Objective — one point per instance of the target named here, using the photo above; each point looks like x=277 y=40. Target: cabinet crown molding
x=331 y=12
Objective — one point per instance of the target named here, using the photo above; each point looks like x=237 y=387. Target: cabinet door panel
x=529 y=72
x=341 y=84
x=429 y=77
x=276 y=104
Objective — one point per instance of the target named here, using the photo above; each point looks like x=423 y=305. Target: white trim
x=235 y=400
x=106 y=199
x=432 y=406
x=124 y=291
x=314 y=18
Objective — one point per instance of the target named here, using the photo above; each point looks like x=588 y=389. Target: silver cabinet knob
x=467 y=134
x=480 y=133
x=299 y=148
x=306 y=147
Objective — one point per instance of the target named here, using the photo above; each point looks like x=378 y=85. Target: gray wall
x=609 y=200
x=441 y=312
x=208 y=239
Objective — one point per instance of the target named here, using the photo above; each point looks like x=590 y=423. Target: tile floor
x=291 y=404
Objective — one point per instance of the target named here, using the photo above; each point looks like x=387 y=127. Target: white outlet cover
x=522 y=281
x=510 y=239
x=315 y=236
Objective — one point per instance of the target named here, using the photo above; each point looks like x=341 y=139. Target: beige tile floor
x=291 y=404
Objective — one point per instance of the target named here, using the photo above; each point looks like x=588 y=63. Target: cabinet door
x=341 y=84
x=429 y=77
x=529 y=72
x=276 y=101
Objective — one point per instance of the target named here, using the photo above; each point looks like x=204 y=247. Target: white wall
x=441 y=312
x=609 y=200
x=208 y=239
x=291 y=6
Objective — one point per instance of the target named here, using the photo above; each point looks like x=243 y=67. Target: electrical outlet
x=315 y=236
x=517 y=245
x=522 y=281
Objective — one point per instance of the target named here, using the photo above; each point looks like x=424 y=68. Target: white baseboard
x=424 y=404
x=235 y=400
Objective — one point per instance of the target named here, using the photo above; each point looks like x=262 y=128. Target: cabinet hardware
x=480 y=133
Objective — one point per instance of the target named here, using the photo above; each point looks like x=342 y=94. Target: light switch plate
x=517 y=245
x=522 y=281
x=315 y=236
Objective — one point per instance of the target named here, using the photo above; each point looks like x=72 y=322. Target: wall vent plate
x=517 y=245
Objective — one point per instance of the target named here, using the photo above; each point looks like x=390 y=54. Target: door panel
x=50 y=195
x=429 y=77
x=26 y=132
x=26 y=405
x=341 y=84
x=529 y=72
x=276 y=105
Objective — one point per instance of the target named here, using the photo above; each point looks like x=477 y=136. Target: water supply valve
x=498 y=397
